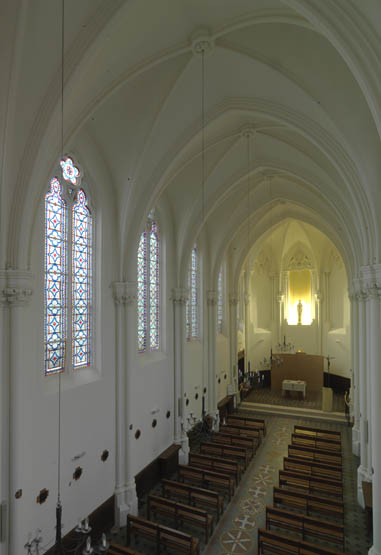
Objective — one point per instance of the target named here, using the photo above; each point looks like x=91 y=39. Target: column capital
x=124 y=292
x=280 y=297
x=233 y=299
x=319 y=296
x=15 y=287
x=246 y=298
x=180 y=295
x=211 y=298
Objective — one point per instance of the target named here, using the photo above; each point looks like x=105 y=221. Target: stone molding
x=15 y=287
x=180 y=295
x=233 y=299
x=211 y=298
x=202 y=41
x=124 y=292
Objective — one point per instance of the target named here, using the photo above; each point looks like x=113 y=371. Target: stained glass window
x=81 y=282
x=69 y=171
x=154 y=288
x=148 y=289
x=68 y=273
x=192 y=304
x=142 y=292
x=220 y=302
x=55 y=279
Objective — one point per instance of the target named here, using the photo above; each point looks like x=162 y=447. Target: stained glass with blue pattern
x=154 y=287
x=192 y=304
x=55 y=279
x=219 y=303
x=142 y=292
x=81 y=282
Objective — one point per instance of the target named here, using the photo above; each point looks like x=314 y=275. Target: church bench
x=219 y=465
x=241 y=431
x=322 y=486
x=309 y=503
x=180 y=513
x=253 y=423
x=116 y=549
x=225 y=451
x=248 y=443
x=207 y=477
x=193 y=495
x=305 y=525
x=326 y=444
x=318 y=433
x=259 y=421
x=310 y=468
x=316 y=455
x=162 y=536
x=273 y=542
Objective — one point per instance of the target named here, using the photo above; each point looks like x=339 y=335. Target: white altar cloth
x=294 y=385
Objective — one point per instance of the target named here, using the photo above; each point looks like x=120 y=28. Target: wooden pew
x=247 y=442
x=162 y=536
x=316 y=455
x=226 y=466
x=309 y=503
x=180 y=513
x=325 y=444
x=116 y=549
x=320 y=486
x=273 y=542
x=305 y=525
x=317 y=432
x=225 y=451
x=193 y=495
x=241 y=431
x=207 y=477
x=311 y=468
x=248 y=422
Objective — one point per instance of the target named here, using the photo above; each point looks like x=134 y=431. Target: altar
x=298 y=366
x=294 y=385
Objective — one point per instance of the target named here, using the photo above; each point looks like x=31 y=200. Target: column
x=375 y=394
x=246 y=300
x=362 y=471
x=318 y=319
x=4 y=415
x=280 y=301
x=16 y=294
x=355 y=391
x=179 y=298
x=126 y=501
x=211 y=297
x=233 y=302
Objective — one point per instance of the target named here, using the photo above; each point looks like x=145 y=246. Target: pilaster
x=211 y=299
x=179 y=299
x=372 y=280
x=124 y=295
x=233 y=302
x=15 y=294
x=355 y=389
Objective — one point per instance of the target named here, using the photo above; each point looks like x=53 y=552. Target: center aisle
x=237 y=530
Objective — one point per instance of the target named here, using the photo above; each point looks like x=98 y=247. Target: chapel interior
x=190 y=276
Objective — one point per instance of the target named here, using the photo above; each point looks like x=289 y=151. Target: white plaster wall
x=88 y=419
x=152 y=372
x=193 y=357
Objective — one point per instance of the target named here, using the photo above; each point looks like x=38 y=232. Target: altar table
x=294 y=385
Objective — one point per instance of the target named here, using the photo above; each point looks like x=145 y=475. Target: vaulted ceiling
x=294 y=81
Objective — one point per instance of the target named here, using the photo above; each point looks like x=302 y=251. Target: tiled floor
x=236 y=531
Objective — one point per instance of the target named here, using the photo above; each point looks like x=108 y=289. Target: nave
x=237 y=529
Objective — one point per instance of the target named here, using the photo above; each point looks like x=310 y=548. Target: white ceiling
x=133 y=87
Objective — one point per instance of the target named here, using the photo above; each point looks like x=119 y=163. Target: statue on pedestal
x=300 y=310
